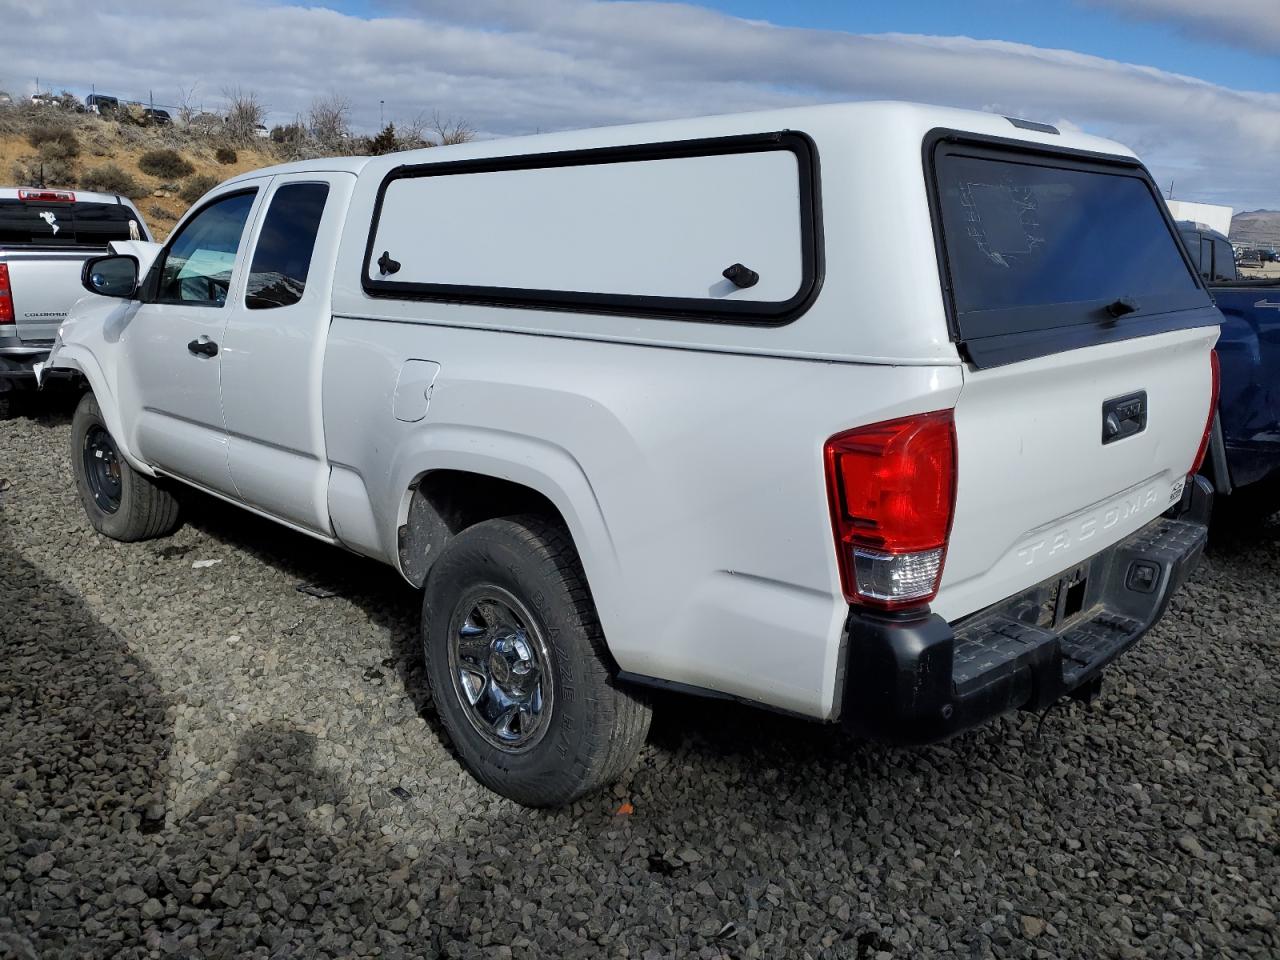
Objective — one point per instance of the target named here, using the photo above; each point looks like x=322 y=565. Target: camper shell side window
x=721 y=229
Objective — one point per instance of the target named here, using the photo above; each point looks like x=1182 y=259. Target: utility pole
x=381 y=119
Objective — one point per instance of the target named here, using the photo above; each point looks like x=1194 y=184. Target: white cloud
x=1252 y=25
x=511 y=67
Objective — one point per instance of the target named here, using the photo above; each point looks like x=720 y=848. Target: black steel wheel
x=102 y=468
x=119 y=501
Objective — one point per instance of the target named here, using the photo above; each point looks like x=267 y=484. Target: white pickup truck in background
x=45 y=237
x=881 y=414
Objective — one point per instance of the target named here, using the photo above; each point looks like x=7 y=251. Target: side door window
x=197 y=265
x=1224 y=265
x=1206 y=258
x=282 y=257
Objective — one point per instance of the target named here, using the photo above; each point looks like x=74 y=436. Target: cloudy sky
x=1192 y=85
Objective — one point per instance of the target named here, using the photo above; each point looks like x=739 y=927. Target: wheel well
x=443 y=503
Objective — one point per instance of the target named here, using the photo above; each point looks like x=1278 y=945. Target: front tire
x=120 y=502
x=518 y=668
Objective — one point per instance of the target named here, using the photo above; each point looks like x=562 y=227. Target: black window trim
x=1000 y=349
x=151 y=289
x=755 y=313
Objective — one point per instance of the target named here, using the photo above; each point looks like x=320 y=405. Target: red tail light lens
x=1215 y=378
x=6 y=296
x=891 y=488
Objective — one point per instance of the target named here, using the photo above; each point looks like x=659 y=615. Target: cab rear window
x=27 y=223
x=1035 y=243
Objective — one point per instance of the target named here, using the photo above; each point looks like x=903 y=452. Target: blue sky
x=1192 y=85
x=1066 y=24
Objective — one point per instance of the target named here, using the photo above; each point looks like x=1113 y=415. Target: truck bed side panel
x=692 y=482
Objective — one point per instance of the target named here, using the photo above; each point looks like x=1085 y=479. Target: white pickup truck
x=45 y=237
x=881 y=414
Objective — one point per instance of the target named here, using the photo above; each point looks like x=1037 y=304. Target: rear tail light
x=47 y=196
x=1215 y=382
x=6 y=296
x=892 y=489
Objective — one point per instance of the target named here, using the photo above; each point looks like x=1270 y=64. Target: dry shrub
x=165 y=163
x=39 y=172
x=54 y=143
x=197 y=187
x=109 y=178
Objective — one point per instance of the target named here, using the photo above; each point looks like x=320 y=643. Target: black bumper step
x=919 y=679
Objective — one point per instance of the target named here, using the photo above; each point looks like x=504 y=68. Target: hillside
x=1261 y=227
x=73 y=150
x=164 y=169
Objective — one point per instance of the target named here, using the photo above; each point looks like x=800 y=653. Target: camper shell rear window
x=644 y=230
x=1042 y=251
x=81 y=223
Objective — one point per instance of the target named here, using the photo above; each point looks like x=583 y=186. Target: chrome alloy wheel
x=102 y=469
x=501 y=669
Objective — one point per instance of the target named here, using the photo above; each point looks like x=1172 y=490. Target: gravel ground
x=202 y=760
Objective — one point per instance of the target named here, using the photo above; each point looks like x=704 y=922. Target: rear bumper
x=919 y=679
x=17 y=365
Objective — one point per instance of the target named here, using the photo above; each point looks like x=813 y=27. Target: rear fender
x=547 y=469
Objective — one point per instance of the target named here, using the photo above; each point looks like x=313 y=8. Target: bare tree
x=245 y=113
x=412 y=134
x=450 y=131
x=433 y=131
x=187 y=103
x=327 y=122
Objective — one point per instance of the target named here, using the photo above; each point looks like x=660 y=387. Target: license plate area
x=1063 y=601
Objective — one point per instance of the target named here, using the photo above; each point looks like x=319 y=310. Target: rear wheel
x=517 y=665
x=120 y=502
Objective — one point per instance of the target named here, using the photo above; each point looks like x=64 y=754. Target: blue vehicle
x=1244 y=454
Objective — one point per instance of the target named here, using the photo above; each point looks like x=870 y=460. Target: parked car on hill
x=1244 y=457
x=598 y=395
x=101 y=103
x=45 y=238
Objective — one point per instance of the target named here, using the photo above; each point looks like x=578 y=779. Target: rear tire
x=518 y=667
x=120 y=502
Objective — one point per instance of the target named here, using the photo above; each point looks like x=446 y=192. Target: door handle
x=202 y=346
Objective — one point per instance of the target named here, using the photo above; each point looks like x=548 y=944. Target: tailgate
x=1087 y=335
x=44 y=286
x=1039 y=489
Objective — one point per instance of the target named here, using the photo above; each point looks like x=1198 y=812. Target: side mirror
x=111 y=276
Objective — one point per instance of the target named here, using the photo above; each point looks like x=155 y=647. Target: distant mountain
x=1256 y=226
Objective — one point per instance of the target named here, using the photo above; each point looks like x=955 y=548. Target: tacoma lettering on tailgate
x=1061 y=537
